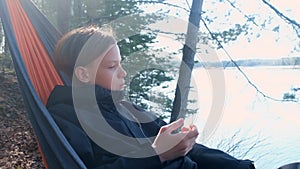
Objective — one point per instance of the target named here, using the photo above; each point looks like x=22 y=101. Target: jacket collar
x=64 y=95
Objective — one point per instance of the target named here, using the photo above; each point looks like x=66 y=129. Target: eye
x=112 y=67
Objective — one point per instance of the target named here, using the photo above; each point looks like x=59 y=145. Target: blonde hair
x=85 y=44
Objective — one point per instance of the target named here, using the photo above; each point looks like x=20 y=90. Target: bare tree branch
x=295 y=24
x=187 y=3
x=241 y=147
x=241 y=71
x=249 y=18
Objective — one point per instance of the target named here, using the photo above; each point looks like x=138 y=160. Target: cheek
x=104 y=79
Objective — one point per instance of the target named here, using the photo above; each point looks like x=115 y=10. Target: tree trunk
x=183 y=85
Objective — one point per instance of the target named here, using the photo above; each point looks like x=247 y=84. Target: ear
x=82 y=74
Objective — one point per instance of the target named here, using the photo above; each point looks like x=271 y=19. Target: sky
x=264 y=42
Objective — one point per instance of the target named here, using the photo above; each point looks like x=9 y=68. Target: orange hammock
x=31 y=39
x=35 y=57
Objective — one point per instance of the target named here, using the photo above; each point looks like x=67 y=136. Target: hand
x=170 y=146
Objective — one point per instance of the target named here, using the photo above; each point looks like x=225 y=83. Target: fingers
x=173 y=126
x=193 y=132
x=185 y=129
x=189 y=132
x=169 y=145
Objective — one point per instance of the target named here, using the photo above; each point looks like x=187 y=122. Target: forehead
x=113 y=55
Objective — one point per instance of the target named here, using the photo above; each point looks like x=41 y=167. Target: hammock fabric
x=32 y=39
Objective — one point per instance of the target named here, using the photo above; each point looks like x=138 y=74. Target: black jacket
x=60 y=105
x=124 y=138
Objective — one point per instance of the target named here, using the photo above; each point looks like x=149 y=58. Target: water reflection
x=252 y=117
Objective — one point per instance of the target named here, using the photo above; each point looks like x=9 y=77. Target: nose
x=122 y=73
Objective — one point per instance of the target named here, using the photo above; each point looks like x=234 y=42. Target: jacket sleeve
x=125 y=152
x=208 y=158
x=99 y=158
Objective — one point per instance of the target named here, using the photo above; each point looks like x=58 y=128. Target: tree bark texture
x=183 y=84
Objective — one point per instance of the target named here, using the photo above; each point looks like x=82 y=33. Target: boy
x=108 y=132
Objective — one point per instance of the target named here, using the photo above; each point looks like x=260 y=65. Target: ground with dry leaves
x=18 y=146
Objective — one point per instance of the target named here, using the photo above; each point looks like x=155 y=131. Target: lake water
x=242 y=113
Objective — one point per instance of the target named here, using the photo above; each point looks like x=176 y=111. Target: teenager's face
x=108 y=69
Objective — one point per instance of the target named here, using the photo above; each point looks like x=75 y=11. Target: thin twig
x=240 y=11
x=187 y=3
x=288 y=20
x=241 y=71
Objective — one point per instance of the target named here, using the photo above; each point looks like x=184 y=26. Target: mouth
x=122 y=86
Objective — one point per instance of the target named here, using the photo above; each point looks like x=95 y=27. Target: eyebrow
x=111 y=62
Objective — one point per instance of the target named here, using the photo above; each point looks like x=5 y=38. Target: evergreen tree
x=129 y=22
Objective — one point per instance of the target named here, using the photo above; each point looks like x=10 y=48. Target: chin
x=117 y=89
